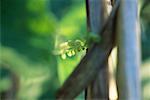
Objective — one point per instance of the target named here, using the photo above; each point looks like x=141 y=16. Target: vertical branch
x=97 y=12
x=128 y=51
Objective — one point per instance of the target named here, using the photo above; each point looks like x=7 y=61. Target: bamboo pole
x=96 y=16
x=128 y=51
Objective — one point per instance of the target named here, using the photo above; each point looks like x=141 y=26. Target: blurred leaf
x=73 y=23
x=43 y=25
x=5 y=84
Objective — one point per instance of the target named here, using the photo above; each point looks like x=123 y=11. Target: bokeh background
x=30 y=31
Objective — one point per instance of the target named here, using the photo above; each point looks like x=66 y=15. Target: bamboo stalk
x=98 y=12
x=128 y=51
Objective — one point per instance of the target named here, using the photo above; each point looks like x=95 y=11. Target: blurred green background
x=30 y=30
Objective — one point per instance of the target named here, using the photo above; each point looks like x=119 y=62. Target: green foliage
x=145 y=28
x=73 y=24
x=5 y=84
x=70 y=48
x=32 y=39
x=28 y=31
x=69 y=55
x=32 y=76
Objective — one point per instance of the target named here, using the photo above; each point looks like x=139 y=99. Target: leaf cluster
x=70 y=48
